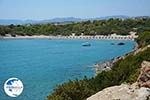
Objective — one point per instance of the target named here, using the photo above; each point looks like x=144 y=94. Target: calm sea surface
x=41 y=64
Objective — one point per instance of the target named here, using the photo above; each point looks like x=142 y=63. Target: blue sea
x=42 y=64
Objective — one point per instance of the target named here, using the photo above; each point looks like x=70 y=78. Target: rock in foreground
x=122 y=92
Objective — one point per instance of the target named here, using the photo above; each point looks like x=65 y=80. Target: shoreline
x=97 y=37
x=108 y=64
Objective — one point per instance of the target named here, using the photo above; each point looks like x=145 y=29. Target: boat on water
x=86 y=44
x=121 y=43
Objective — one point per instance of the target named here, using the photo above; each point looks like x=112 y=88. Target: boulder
x=122 y=92
x=144 y=77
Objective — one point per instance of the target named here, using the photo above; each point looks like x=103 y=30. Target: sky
x=48 y=9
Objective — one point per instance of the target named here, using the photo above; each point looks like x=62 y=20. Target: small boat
x=121 y=43
x=86 y=44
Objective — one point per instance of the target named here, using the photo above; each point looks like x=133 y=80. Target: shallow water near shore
x=41 y=64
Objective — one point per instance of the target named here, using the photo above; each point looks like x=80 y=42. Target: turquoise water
x=41 y=64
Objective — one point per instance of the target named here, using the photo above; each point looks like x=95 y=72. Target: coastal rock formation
x=106 y=66
x=140 y=90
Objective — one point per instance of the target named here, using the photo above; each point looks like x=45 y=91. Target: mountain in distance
x=67 y=19
x=60 y=20
x=108 y=17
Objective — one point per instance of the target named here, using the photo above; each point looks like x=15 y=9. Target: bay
x=42 y=64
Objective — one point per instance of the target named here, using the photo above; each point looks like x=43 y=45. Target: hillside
x=140 y=90
x=92 y=28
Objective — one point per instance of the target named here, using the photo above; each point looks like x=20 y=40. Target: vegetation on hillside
x=143 y=39
x=125 y=70
x=97 y=27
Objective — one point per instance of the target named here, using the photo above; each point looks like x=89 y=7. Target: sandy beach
x=99 y=37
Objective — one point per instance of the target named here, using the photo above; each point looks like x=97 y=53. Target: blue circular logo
x=13 y=87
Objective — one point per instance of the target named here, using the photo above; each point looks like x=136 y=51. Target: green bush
x=72 y=90
x=143 y=39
